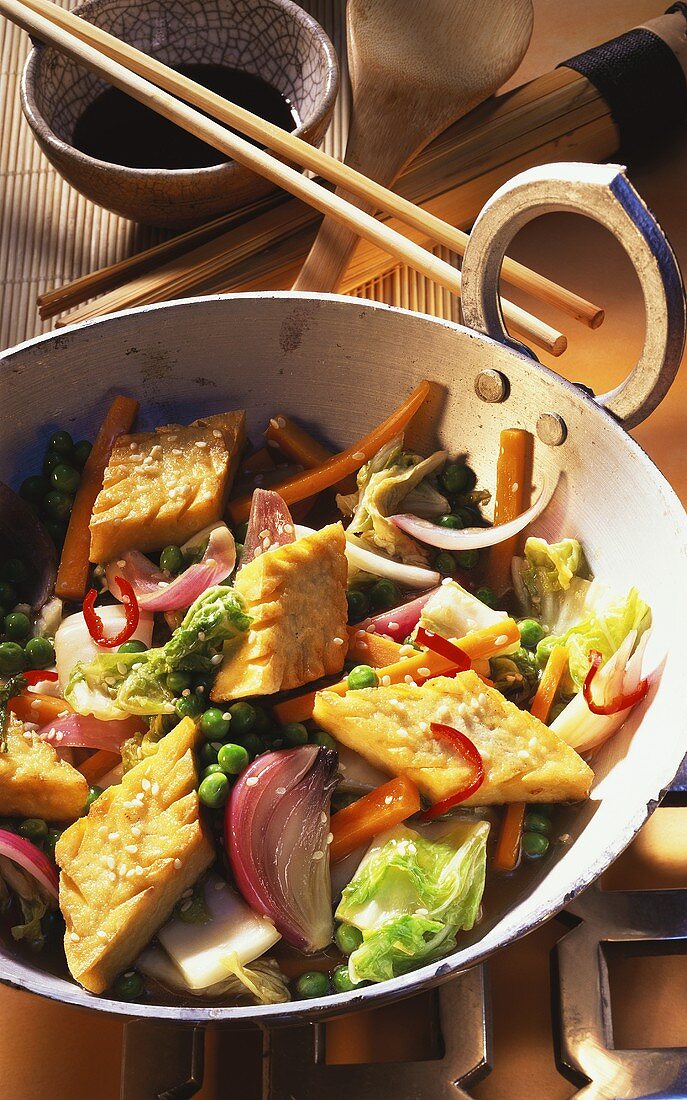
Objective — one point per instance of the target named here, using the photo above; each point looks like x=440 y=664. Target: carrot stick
x=508 y=847
x=98 y=764
x=311 y=482
x=381 y=809
x=422 y=666
x=372 y=649
x=72 y=575
x=33 y=706
x=513 y=484
x=295 y=443
x=549 y=683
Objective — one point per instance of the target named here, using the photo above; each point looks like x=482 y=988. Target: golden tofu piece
x=296 y=596
x=524 y=761
x=34 y=782
x=126 y=864
x=162 y=487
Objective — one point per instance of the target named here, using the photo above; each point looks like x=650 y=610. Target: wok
x=340 y=365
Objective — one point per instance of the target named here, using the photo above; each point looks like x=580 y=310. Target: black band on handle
x=644 y=85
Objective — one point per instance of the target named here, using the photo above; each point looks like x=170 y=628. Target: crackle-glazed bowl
x=273 y=39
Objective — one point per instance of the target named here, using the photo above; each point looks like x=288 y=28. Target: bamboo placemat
x=50 y=234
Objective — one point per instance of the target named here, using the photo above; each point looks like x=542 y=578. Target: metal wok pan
x=340 y=365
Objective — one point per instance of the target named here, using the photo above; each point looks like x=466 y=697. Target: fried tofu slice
x=125 y=865
x=35 y=782
x=524 y=761
x=296 y=596
x=161 y=487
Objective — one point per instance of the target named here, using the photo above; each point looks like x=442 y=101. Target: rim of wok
x=517 y=923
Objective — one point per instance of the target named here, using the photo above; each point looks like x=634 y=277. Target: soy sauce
x=118 y=129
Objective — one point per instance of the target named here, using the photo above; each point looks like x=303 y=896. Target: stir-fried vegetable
x=372 y=814
x=513 y=483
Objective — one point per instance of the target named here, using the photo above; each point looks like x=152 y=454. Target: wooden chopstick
x=300 y=152
x=51 y=28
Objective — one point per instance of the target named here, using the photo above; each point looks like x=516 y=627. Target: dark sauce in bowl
x=120 y=130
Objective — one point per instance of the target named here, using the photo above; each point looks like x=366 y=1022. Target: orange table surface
x=66 y=1054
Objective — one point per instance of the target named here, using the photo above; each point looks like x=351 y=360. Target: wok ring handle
x=601 y=192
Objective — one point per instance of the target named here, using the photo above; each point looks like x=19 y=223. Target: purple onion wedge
x=269 y=525
x=275 y=831
x=28 y=540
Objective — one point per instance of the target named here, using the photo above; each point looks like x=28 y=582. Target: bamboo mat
x=50 y=234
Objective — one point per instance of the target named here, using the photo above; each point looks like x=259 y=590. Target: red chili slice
x=95 y=623
x=472 y=755
x=444 y=648
x=621 y=702
x=37 y=676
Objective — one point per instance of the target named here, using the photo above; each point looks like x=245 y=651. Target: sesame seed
x=201 y=443
x=177 y=864
x=133 y=446
x=74 y=937
x=216 y=660
x=338 y=641
x=288 y=528
x=330 y=837
x=122 y=870
x=220 y=885
x=392 y=626
x=388 y=800
x=187 y=893
x=363 y=646
x=145 y=783
x=130 y=873
x=109 y=862
x=177 y=451
x=251 y=781
x=281 y=423
x=226 y=716
x=112 y=876
x=163 y=584
x=155 y=789
x=121 y=563
x=386 y=680
x=501 y=640
x=186 y=692
x=424 y=671
x=113 y=836
x=406 y=650
x=523 y=754
x=35 y=704
x=101 y=934
x=281 y=790
x=408 y=678
x=323 y=818
x=135 y=830
x=202 y=635
x=371 y=629
x=186 y=905
x=217 y=433
x=273 y=423
x=139 y=869
x=318 y=855
x=121 y=668
x=358 y=456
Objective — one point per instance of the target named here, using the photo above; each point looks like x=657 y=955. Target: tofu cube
x=34 y=782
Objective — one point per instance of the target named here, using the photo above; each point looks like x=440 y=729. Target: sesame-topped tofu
x=524 y=761
x=296 y=597
x=161 y=487
x=35 y=782
x=127 y=863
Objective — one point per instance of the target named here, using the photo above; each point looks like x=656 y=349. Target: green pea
x=214 y=725
x=34 y=488
x=241 y=532
x=12 y=658
x=128 y=986
x=61 y=442
x=383 y=594
x=341 y=980
x=17 y=626
x=467 y=559
x=134 y=646
x=8 y=594
x=444 y=563
x=357 y=605
x=321 y=737
x=214 y=790
x=295 y=733
x=94 y=794
x=33 y=828
x=362 y=676
x=212 y=769
x=262 y=725
x=457 y=478
x=487 y=596
x=208 y=755
x=14 y=571
x=531 y=633
x=252 y=744
x=242 y=718
x=537 y=823
x=57 y=505
x=56 y=529
x=312 y=984
x=172 y=560
x=232 y=759
x=189 y=706
x=535 y=845
x=178 y=682
x=51 y=460
x=450 y=520
x=80 y=453
x=50 y=842
x=348 y=938
x=65 y=478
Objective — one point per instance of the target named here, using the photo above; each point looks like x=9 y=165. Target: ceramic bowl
x=273 y=39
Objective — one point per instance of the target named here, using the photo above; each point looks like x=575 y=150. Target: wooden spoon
x=416 y=66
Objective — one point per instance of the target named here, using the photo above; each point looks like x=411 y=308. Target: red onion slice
x=154 y=590
x=400 y=621
x=30 y=858
x=269 y=525
x=408 y=576
x=474 y=538
x=276 y=829
x=81 y=731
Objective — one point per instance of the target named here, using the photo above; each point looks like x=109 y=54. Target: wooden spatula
x=416 y=66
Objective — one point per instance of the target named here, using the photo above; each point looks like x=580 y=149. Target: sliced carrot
x=420 y=667
x=513 y=485
x=311 y=482
x=98 y=764
x=260 y=462
x=381 y=809
x=72 y=576
x=507 y=851
x=33 y=706
x=508 y=846
x=295 y=443
x=372 y=649
x=549 y=683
